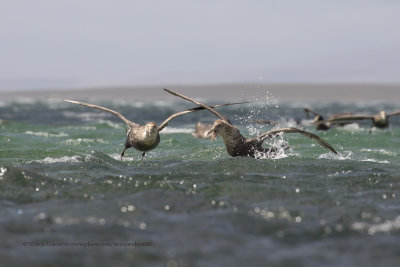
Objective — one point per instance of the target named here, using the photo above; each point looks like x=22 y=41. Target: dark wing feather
x=200 y=104
x=104 y=109
x=350 y=117
x=393 y=113
x=165 y=122
x=271 y=133
x=308 y=111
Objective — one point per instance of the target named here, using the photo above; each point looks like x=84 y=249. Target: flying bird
x=380 y=120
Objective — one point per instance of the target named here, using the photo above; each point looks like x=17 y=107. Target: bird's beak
x=213 y=133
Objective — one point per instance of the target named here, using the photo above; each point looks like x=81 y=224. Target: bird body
x=201 y=129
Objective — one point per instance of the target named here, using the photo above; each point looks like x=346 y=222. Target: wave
x=58 y=160
x=80 y=141
x=377 y=161
x=341 y=156
x=46 y=134
x=380 y=151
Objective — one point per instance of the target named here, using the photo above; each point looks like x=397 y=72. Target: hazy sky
x=78 y=43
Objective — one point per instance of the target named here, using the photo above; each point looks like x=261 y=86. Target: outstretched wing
x=271 y=133
x=165 y=123
x=104 y=109
x=393 y=113
x=354 y=117
x=200 y=104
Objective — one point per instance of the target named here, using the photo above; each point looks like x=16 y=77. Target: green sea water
x=67 y=200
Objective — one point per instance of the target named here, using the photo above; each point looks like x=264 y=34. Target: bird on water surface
x=238 y=145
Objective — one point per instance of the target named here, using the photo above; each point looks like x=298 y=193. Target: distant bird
x=143 y=137
x=238 y=145
x=323 y=125
x=201 y=129
x=380 y=120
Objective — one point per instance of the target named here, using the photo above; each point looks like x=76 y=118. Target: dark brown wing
x=308 y=111
x=200 y=104
x=393 y=114
x=164 y=123
x=354 y=117
x=271 y=133
x=130 y=123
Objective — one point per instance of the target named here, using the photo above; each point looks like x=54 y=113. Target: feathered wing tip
x=323 y=143
x=308 y=111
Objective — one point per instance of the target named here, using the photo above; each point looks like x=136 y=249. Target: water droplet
x=143 y=226
x=280 y=233
x=339 y=228
x=166 y=207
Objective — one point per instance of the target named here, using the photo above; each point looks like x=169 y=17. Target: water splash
x=345 y=155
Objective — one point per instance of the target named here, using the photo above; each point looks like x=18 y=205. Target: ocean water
x=67 y=200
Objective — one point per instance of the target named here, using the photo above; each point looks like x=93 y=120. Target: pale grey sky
x=80 y=43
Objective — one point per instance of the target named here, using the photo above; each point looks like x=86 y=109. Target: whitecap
x=374 y=160
x=79 y=141
x=57 y=160
x=341 y=156
x=170 y=130
x=381 y=151
x=118 y=157
x=46 y=134
x=86 y=116
x=353 y=127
